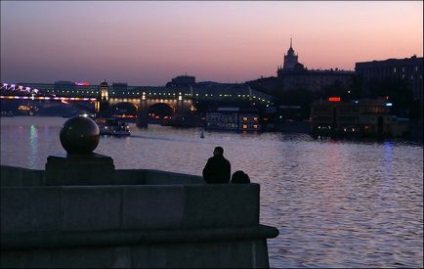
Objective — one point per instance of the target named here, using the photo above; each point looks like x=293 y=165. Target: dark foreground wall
x=136 y=224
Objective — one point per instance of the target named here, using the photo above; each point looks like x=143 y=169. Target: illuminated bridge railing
x=40 y=91
x=46 y=98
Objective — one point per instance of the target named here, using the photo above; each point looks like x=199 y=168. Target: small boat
x=202 y=135
x=113 y=126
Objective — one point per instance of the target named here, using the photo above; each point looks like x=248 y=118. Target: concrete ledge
x=140 y=219
x=154 y=177
x=97 y=208
x=222 y=254
x=135 y=237
x=22 y=177
x=19 y=177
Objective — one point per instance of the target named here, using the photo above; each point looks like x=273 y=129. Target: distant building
x=64 y=85
x=316 y=80
x=290 y=59
x=364 y=118
x=184 y=81
x=295 y=76
x=410 y=69
x=233 y=119
x=119 y=87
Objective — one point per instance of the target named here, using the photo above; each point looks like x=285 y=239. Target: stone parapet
x=142 y=219
x=102 y=208
x=20 y=177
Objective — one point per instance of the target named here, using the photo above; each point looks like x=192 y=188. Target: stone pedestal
x=79 y=169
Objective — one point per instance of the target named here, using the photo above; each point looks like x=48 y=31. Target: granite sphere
x=80 y=135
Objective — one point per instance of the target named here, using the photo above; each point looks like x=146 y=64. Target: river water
x=335 y=203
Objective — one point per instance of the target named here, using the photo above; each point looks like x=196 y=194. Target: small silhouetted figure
x=217 y=169
x=240 y=177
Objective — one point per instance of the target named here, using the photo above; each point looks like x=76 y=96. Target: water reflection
x=336 y=203
x=33 y=143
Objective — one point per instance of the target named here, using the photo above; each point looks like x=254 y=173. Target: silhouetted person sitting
x=217 y=169
x=240 y=177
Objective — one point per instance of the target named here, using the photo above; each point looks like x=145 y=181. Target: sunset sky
x=150 y=42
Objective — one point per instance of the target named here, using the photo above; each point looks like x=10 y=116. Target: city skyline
x=149 y=43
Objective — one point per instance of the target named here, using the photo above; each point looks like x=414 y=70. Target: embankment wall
x=146 y=218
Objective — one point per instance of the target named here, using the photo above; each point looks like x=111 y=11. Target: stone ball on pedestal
x=80 y=135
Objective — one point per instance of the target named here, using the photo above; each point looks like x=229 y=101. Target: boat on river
x=113 y=126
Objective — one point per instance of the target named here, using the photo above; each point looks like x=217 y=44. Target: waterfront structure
x=233 y=119
x=179 y=100
x=408 y=69
x=361 y=118
x=201 y=91
x=294 y=75
x=82 y=213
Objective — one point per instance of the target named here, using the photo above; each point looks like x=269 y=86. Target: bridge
x=140 y=101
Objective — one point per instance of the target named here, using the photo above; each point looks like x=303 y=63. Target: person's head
x=240 y=177
x=218 y=151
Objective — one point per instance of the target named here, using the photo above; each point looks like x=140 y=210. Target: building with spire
x=294 y=75
x=290 y=59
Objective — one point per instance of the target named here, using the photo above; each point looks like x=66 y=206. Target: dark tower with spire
x=290 y=59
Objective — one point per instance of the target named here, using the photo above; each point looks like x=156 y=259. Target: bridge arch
x=160 y=112
x=124 y=108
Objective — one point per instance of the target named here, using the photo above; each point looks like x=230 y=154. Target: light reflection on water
x=335 y=203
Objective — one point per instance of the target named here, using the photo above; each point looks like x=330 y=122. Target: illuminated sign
x=82 y=83
x=334 y=99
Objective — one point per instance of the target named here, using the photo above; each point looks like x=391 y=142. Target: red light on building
x=334 y=99
x=82 y=83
